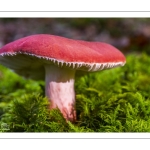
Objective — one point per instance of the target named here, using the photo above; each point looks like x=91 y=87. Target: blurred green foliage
x=115 y=100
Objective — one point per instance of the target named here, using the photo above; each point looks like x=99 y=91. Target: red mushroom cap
x=76 y=54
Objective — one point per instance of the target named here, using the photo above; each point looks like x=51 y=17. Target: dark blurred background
x=127 y=34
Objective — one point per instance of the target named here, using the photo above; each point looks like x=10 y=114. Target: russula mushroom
x=57 y=59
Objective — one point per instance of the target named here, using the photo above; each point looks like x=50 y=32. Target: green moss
x=115 y=100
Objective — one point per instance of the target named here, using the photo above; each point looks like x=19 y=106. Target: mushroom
x=57 y=59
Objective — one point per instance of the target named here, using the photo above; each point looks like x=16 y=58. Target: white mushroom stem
x=60 y=90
